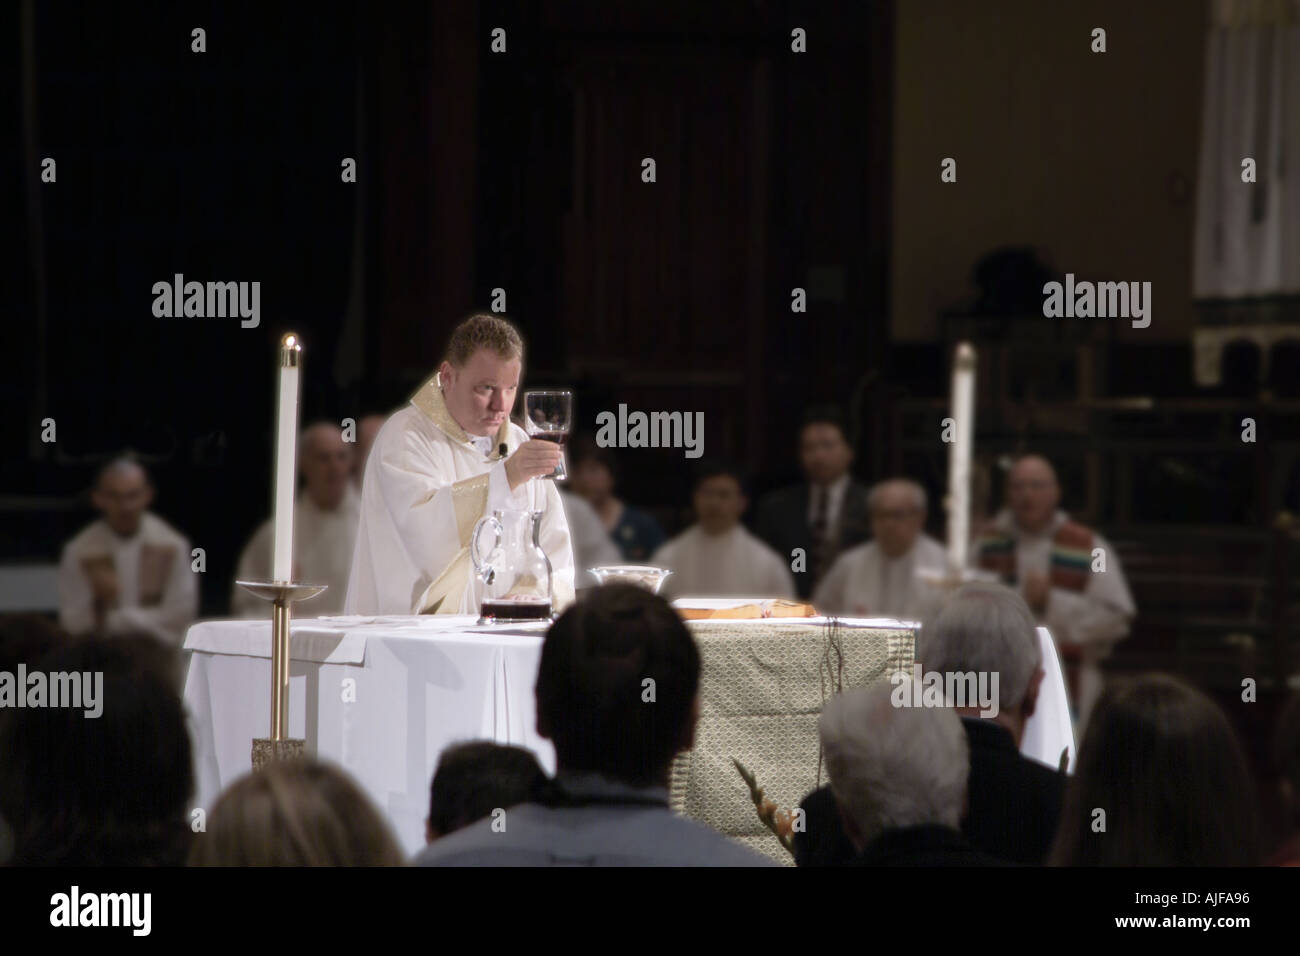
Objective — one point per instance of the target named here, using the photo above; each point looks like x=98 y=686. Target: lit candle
x=286 y=454
x=963 y=415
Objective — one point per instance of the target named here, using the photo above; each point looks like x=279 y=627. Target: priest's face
x=824 y=453
x=719 y=503
x=895 y=520
x=122 y=496
x=481 y=392
x=1032 y=493
x=326 y=465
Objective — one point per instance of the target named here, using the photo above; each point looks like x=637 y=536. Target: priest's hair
x=985 y=628
x=893 y=767
x=914 y=489
x=483 y=330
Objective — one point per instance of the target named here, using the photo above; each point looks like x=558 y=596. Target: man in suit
x=1014 y=802
x=617 y=693
x=825 y=514
x=898 y=775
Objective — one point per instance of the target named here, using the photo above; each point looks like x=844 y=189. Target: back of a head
x=1162 y=762
x=295 y=813
x=616 y=685
x=475 y=778
x=105 y=783
x=893 y=766
x=984 y=629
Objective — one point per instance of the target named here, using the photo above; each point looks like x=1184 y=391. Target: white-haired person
x=898 y=774
x=880 y=578
x=1015 y=802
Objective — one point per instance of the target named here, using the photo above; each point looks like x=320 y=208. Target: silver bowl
x=639 y=574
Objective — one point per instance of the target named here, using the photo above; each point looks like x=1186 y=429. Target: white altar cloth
x=382 y=697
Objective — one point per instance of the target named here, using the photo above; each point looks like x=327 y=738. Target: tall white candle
x=959 y=456
x=286 y=455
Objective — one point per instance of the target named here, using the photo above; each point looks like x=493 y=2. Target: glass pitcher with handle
x=516 y=573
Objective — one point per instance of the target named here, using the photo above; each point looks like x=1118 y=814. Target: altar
x=382 y=697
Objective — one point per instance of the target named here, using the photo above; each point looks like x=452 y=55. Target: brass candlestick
x=282 y=595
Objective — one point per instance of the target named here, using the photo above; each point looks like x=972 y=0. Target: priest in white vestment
x=717 y=556
x=449 y=458
x=130 y=571
x=325 y=519
x=1069 y=575
x=882 y=577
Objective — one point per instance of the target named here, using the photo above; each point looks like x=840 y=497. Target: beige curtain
x=1248 y=234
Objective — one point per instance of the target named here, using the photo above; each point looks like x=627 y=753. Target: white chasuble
x=323 y=542
x=865 y=582
x=731 y=564
x=157 y=590
x=425 y=486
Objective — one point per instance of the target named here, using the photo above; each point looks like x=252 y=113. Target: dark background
x=521 y=171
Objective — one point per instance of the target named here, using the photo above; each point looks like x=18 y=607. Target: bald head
x=325 y=460
x=122 y=494
x=1033 y=494
x=897 y=509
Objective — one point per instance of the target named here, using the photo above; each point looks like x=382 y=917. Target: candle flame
x=290 y=341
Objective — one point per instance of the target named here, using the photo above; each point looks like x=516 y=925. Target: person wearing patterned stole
x=130 y=571
x=450 y=457
x=1057 y=564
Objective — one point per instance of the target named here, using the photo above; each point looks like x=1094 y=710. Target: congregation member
x=297 y=812
x=717 y=556
x=1286 y=762
x=367 y=429
x=1036 y=548
x=324 y=528
x=105 y=782
x=825 y=514
x=448 y=458
x=129 y=570
x=595 y=473
x=882 y=578
x=475 y=779
x=1163 y=764
x=1014 y=802
x=899 y=777
x=592 y=547
x=608 y=802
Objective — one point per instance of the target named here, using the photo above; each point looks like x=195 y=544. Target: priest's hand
x=532 y=459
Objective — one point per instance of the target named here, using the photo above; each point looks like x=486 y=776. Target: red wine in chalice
x=558 y=437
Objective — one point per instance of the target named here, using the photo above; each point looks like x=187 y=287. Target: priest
x=324 y=528
x=882 y=577
x=448 y=458
x=716 y=556
x=130 y=571
x=1070 y=576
